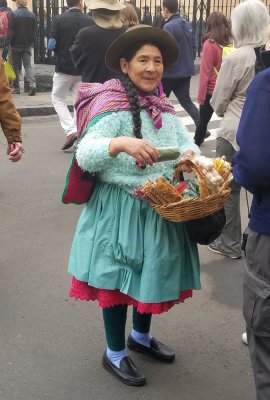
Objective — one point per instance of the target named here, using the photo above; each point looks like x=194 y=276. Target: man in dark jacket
x=176 y=79
x=252 y=171
x=92 y=43
x=21 y=33
x=66 y=77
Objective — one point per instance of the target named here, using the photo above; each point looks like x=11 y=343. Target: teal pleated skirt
x=122 y=244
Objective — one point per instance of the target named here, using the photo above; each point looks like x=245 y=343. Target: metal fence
x=195 y=11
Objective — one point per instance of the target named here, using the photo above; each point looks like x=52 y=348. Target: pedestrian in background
x=252 y=171
x=9 y=118
x=217 y=35
x=66 y=77
x=89 y=49
x=147 y=17
x=177 y=78
x=123 y=252
x=250 y=21
x=158 y=20
x=129 y=16
x=21 y=35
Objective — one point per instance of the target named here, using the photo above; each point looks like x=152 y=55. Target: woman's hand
x=15 y=151
x=139 y=149
x=184 y=161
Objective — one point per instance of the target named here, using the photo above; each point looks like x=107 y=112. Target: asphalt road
x=51 y=346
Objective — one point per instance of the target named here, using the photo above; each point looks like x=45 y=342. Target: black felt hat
x=140 y=33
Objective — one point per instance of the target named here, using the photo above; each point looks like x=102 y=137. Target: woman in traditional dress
x=123 y=252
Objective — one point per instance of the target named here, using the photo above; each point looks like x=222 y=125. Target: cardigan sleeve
x=92 y=151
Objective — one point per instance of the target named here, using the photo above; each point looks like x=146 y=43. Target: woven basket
x=168 y=203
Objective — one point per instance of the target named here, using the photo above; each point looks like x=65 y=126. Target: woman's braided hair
x=135 y=108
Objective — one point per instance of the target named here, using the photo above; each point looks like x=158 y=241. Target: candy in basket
x=212 y=178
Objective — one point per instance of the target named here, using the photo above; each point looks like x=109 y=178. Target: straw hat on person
x=113 y=5
x=106 y=13
x=142 y=33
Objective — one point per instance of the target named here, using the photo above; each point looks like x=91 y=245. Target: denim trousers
x=19 y=56
x=181 y=88
x=62 y=85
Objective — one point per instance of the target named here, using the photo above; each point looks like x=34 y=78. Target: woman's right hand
x=139 y=149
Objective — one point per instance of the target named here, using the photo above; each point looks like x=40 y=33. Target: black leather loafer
x=128 y=373
x=157 y=349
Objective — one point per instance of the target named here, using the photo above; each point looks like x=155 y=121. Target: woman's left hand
x=15 y=151
x=184 y=161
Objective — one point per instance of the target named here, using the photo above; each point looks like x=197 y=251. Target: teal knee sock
x=141 y=328
x=115 y=325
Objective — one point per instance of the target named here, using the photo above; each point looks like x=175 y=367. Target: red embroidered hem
x=109 y=298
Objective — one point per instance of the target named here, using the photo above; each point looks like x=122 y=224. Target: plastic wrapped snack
x=168 y=153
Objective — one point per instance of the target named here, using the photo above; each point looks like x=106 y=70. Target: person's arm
x=11 y=19
x=54 y=35
x=77 y=52
x=206 y=70
x=9 y=119
x=33 y=28
x=227 y=81
x=252 y=162
x=102 y=143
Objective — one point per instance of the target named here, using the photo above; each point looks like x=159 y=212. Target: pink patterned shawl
x=94 y=99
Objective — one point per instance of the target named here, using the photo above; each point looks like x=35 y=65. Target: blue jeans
x=23 y=55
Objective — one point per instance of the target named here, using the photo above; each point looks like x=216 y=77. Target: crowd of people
x=121 y=67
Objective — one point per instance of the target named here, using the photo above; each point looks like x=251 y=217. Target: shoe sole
x=223 y=254
x=127 y=382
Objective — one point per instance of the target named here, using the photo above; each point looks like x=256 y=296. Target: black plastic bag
x=205 y=230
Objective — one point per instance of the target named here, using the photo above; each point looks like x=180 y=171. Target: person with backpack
x=217 y=37
x=177 y=78
x=250 y=20
x=4 y=15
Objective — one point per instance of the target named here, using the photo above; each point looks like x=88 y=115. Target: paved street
x=51 y=346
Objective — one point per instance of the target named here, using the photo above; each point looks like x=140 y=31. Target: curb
x=38 y=111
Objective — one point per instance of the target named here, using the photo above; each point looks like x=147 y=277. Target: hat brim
x=142 y=33
x=95 y=5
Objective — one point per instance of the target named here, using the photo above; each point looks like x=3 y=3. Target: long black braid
x=135 y=108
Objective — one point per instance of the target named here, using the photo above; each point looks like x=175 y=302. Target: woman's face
x=145 y=69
